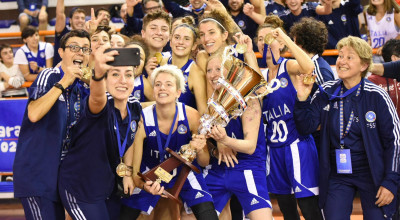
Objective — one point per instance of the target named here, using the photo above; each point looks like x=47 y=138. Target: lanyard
x=68 y=93
x=160 y=148
x=121 y=147
x=341 y=113
x=184 y=67
x=335 y=93
x=264 y=57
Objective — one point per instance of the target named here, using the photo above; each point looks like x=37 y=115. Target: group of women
x=268 y=149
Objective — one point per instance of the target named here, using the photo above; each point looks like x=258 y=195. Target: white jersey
x=383 y=30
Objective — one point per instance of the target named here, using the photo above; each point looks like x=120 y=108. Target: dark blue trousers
x=341 y=191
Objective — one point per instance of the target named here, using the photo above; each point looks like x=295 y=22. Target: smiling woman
x=183 y=42
x=359 y=136
x=94 y=168
x=171 y=124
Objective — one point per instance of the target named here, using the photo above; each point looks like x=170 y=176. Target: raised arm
x=248 y=9
x=38 y=108
x=97 y=97
x=259 y=6
x=197 y=79
x=302 y=62
x=60 y=16
x=325 y=8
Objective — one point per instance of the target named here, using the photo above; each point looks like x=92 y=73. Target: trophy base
x=169 y=165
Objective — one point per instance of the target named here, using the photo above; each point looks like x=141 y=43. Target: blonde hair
x=361 y=47
x=173 y=71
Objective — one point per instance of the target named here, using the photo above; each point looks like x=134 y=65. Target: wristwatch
x=59 y=86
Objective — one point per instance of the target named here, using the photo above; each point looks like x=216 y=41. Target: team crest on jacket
x=370 y=116
x=284 y=82
x=182 y=129
x=137 y=94
x=133 y=126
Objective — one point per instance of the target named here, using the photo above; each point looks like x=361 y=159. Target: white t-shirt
x=16 y=80
x=20 y=57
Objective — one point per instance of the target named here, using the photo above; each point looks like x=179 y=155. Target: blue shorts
x=106 y=209
x=294 y=169
x=249 y=186
x=194 y=191
x=42 y=208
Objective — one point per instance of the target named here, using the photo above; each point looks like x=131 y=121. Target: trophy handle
x=187 y=163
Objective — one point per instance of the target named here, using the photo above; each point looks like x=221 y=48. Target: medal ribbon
x=184 y=67
x=264 y=57
x=335 y=93
x=341 y=113
x=121 y=147
x=160 y=147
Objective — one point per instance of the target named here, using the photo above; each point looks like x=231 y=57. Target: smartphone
x=126 y=57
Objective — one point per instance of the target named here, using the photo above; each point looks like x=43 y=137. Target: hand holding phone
x=126 y=57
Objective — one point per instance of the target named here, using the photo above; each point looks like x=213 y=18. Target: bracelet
x=97 y=79
x=59 y=86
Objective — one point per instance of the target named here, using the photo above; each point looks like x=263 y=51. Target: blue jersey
x=280 y=129
x=88 y=170
x=181 y=136
x=39 y=148
x=40 y=58
x=138 y=90
x=271 y=7
x=255 y=161
x=188 y=97
x=307 y=10
x=322 y=70
x=342 y=22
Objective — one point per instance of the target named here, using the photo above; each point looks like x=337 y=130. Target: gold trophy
x=161 y=173
x=230 y=102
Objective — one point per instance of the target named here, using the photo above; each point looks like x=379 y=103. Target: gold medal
x=159 y=57
x=241 y=48
x=86 y=72
x=123 y=170
x=268 y=39
x=309 y=79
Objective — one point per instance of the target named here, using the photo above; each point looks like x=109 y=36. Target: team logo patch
x=388 y=19
x=241 y=23
x=77 y=106
x=343 y=18
x=42 y=55
x=133 y=126
x=284 y=82
x=182 y=129
x=137 y=94
x=370 y=116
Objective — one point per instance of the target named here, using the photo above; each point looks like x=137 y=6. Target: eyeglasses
x=150 y=9
x=76 y=49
